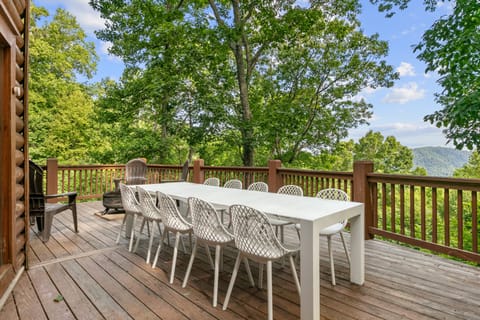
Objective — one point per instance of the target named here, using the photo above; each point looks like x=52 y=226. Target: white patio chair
x=255 y=240
x=150 y=213
x=233 y=184
x=278 y=223
x=332 y=194
x=132 y=209
x=258 y=186
x=212 y=182
x=209 y=231
x=174 y=222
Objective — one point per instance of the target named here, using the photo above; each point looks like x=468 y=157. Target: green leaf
x=58 y=298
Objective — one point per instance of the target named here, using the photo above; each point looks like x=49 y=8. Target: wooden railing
x=438 y=214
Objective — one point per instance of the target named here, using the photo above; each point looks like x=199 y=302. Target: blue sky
x=398 y=111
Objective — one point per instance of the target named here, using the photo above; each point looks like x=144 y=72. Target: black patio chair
x=43 y=211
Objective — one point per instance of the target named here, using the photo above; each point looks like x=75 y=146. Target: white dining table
x=313 y=214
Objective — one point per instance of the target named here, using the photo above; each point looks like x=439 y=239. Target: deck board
x=100 y=279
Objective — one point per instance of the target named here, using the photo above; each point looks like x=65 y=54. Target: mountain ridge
x=439 y=161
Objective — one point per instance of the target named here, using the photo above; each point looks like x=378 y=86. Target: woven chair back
x=333 y=194
x=233 y=184
x=129 y=200
x=258 y=186
x=148 y=204
x=171 y=216
x=212 y=182
x=291 y=189
x=254 y=234
x=207 y=224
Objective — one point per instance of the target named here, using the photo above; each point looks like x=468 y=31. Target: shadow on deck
x=88 y=276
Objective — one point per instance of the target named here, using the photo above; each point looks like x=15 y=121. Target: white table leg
x=309 y=271
x=357 y=249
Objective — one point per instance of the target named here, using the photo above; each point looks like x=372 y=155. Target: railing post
x=274 y=178
x=52 y=178
x=361 y=191
x=198 y=174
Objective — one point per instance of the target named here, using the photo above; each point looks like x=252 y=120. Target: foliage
x=471 y=169
x=270 y=78
x=387 y=6
x=451 y=47
x=60 y=109
x=169 y=89
x=387 y=154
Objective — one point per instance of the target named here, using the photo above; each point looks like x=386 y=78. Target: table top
x=291 y=207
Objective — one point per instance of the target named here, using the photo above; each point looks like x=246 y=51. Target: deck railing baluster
x=412 y=211
x=460 y=219
x=402 y=209
x=446 y=216
x=434 y=215
x=475 y=234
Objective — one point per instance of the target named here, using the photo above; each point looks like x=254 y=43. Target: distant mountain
x=439 y=161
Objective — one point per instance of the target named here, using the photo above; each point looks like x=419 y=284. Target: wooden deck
x=98 y=279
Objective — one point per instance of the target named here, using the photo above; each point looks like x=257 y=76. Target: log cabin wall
x=14 y=22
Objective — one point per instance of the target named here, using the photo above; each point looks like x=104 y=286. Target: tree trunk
x=247 y=128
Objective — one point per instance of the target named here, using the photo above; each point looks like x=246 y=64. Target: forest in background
x=163 y=111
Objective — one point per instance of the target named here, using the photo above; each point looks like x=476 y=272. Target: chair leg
x=190 y=240
x=74 y=214
x=269 y=290
x=249 y=272
x=174 y=260
x=183 y=243
x=132 y=233
x=190 y=263
x=150 y=242
x=47 y=228
x=121 y=228
x=345 y=247
x=218 y=252
x=330 y=254
x=138 y=238
x=295 y=275
x=159 y=229
x=154 y=264
x=207 y=250
x=232 y=281
x=260 y=276
x=221 y=259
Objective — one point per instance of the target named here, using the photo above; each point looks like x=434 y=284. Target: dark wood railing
x=438 y=214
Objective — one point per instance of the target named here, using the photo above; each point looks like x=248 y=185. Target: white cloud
x=412 y=135
x=406 y=69
x=409 y=92
x=88 y=18
x=369 y=91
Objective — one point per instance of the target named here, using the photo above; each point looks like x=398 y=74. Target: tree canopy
x=451 y=47
x=387 y=154
x=271 y=79
x=471 y=169
x=61 y=109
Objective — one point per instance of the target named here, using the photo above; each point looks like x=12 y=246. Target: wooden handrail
x=434 y=213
